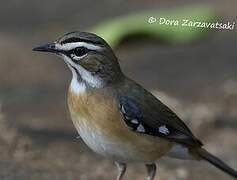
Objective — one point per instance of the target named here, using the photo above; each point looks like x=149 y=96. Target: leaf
x=117 y=29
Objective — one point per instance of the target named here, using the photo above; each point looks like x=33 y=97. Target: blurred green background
x=197 y=79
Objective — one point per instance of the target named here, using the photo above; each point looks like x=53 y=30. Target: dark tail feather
x=216 y=162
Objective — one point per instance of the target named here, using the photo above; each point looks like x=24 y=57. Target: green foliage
x=115 y=30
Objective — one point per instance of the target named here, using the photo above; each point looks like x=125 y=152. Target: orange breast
x=98 y=120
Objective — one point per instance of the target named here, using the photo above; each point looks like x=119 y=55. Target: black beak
x=46 y=48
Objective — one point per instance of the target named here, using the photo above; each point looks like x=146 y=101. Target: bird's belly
x=136 y=148
x=100 y=125
x=103 y=145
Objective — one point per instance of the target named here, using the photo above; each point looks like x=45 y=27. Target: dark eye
x=80 y=51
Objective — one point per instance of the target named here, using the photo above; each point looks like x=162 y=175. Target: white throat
x=77 y=86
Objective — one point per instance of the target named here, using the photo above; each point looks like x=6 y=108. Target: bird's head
x=88 y=56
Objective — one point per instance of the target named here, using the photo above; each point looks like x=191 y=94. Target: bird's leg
x=151 y=170
x=121 y=170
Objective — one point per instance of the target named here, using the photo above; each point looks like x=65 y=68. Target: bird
x=115 y=116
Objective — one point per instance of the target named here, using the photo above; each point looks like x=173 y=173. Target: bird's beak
x=46 y=48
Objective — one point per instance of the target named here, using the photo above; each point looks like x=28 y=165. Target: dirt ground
x=37 y=139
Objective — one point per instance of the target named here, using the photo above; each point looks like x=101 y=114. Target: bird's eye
x=80 y=51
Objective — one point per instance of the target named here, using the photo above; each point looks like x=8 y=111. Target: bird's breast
x=99 y=122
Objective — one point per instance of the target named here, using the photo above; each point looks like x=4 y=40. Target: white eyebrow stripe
x=70 y=46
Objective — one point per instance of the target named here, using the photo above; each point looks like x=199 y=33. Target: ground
x=38 y=141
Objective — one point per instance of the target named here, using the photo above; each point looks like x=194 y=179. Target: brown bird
x=115 y=116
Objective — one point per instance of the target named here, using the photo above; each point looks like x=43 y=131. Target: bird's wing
x=144 y=113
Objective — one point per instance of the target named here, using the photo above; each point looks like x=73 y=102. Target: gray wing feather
x=144 y=113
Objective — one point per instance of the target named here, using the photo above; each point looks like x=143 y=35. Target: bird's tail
x=203 y=154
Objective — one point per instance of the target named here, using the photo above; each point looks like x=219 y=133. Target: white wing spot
x=140 y=128
x=123 y=110
x=164 y=130
x=134 y=121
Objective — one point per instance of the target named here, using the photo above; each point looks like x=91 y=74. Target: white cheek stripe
x=75 y=86
x=70 y=46
x=85 y=75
